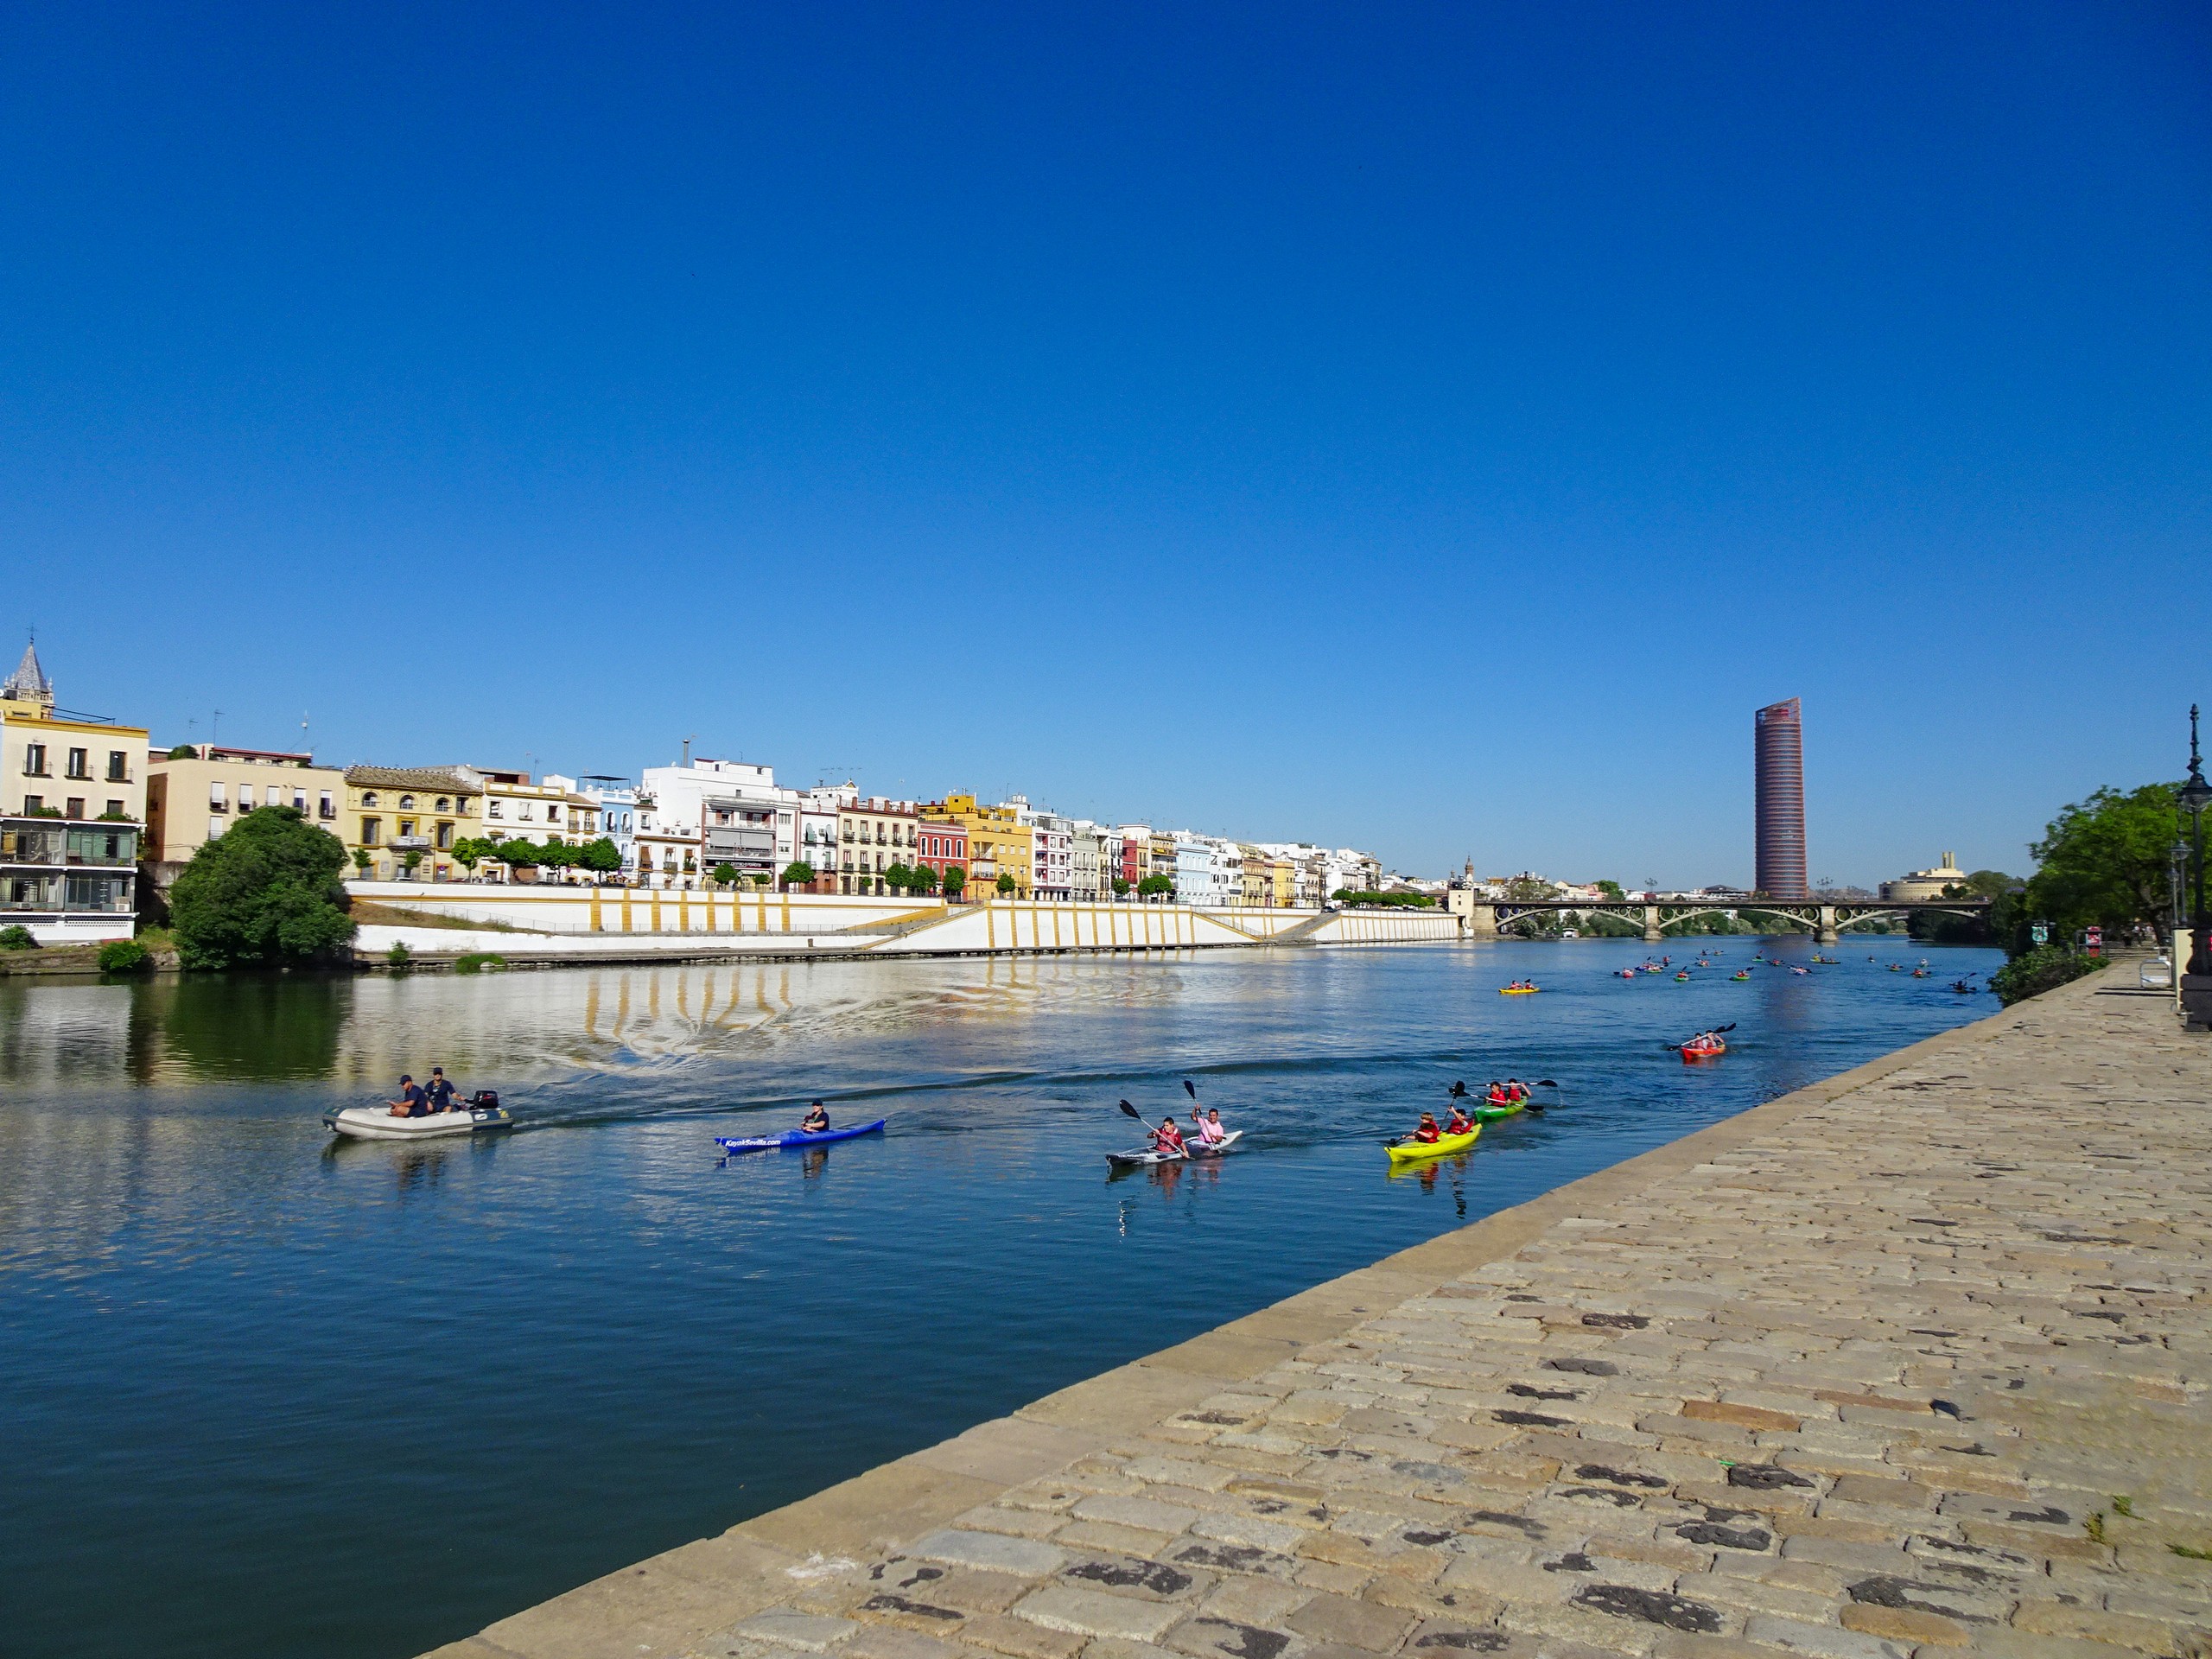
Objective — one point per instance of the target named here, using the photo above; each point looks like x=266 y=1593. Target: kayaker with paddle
x=1209 y=1126
x=817 y=1120
x=1497 y=1095
x=1459 y=1122
x=1427 y=1133
x=1167 y=1140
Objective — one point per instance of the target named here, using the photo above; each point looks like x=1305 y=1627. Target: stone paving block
x=1351 y=1622
x=1020 y=1639
x=1824 y=1641
x=989 y=1550
x=804 y=1631
x=1092 y=1612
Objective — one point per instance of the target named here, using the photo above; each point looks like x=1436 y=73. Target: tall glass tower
x=1778 y=734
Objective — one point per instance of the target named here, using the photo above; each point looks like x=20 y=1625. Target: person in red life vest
x=1497 y=1095
x=1167 y=1140
x=1459 y=1122
x=1427 y=1132
x=1516 y=1090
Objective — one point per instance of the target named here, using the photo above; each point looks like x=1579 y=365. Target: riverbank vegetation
x=266 y=893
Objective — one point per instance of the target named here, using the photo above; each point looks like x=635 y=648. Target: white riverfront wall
x=578 y=924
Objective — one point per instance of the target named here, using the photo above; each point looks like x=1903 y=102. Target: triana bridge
x=1824 y=919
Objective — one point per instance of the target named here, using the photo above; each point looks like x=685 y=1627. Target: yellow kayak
x=1518 y=990
x=1405 y=1151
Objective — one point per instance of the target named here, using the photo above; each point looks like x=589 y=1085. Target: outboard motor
x=486 y=1100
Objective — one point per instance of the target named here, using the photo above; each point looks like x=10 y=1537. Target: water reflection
x=183 y=1245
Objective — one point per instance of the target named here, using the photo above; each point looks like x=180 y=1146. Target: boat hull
x=1193 y=1153
x=796 y=1138
x=376 y=1123
x=1406 y=1152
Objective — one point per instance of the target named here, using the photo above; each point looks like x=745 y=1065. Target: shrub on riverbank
x=2043 y=969
x=1411 y=900
x=125 y=956
x=480 y=962
x=17 y=938
x=266 y=893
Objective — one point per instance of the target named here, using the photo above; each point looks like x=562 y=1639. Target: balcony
x=410 y=843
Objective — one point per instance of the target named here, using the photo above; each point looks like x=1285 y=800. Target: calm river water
x=268 y=1395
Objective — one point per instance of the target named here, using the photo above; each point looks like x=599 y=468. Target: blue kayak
x=795 y=1138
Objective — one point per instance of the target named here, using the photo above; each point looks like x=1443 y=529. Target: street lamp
x=2196 y=983
x=2177 y=862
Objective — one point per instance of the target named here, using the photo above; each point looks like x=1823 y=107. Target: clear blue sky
x=1433 y=429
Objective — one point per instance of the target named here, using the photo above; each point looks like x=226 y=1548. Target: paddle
x=1190 y=1089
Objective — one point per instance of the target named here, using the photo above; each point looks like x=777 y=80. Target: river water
x=268 y=1394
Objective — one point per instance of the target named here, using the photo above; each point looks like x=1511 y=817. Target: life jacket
x=1427 y=1132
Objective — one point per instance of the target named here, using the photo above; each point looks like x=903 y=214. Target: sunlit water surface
x=268 y=1394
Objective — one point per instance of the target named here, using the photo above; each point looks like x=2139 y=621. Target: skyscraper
x=1779 y=760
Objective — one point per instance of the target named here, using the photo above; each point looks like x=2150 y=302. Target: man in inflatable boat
x=417 y=1100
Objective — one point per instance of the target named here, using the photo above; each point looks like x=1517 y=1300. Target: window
x=214 y=828
x=76 y=806
x=115 y=809
x=371 y=832
x=81 y=763
x=441 y=804
x=118 y=766
x=407 y=803
x=34 y=805
x=492 y=809
x=219 y=798
x=35 y=760
x=368 y=798
x=300 y=802
x=526 y=811
x=406 y=829
x=272 y=796
x=445 y=837
x=109 y=894
x=326 y=808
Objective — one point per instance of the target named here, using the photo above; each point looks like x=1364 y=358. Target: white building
x=1051 y=857
x=695 y=817
x=818 y=828
x=1092 y=869
x=616 y=803
x=1208 y=872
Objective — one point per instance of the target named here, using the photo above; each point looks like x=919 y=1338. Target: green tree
x=600 y=857
x=517 y=854
x=1614 y=891
x=899 y=878
x=362 y=859
x=184 y=751
x=2103 y=864
x=956 y=882
x=921 y=878
x=1120 y=887
x=1154 y=884
x=799 y=873
x=266 y=893
x=411 y=859
x=1006 y=882
x=17 y=938
x=468 y=853
x=724 y=875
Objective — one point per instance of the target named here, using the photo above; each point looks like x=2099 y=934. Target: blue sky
x=1434 y=430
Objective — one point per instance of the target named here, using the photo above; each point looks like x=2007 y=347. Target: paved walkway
x=1913 y=1361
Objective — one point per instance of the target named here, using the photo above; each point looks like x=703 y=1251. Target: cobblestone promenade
x=1913 y=1361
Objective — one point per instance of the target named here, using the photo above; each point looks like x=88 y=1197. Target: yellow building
x=400 y=823
x=999 y=843
x=193 y=794
x=72 y=796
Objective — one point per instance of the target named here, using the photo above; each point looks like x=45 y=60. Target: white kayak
x=377 y=1122
x=1195 y=1149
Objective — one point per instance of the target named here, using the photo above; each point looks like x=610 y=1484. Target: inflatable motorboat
x=477 y=1115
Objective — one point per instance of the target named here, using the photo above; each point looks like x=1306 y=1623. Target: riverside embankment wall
x=1857 y=1373
x=562 y=924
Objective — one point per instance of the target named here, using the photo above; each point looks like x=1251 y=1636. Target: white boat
x=478 y=1116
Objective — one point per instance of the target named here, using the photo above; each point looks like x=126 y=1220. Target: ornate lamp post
x=2177 y=863
x=2197 y=982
